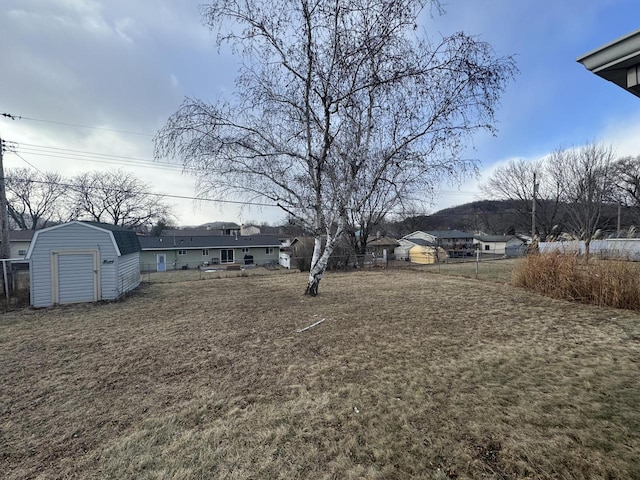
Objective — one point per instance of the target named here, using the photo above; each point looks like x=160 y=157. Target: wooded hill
x=497 y=217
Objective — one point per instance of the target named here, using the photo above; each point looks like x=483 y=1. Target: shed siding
x=76 y=278
x=68 y=237
x=129 y=272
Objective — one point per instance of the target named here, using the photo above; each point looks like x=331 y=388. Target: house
x=249 y=230
x=455 y=242
x=497 y=244
x=222 y=228
x=82 y=262
x=178 y=252
x=206 y=230
x=287 y=251
x=19 y=241
x=381 y=247
x=617 y=61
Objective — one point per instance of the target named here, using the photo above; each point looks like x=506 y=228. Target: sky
x=124 y=67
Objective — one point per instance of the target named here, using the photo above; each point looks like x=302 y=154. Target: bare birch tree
x=336 y=100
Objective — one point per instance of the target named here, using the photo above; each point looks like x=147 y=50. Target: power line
x=164 y=195
x=78 y=125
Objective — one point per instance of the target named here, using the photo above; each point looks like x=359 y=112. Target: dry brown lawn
x=411 y=375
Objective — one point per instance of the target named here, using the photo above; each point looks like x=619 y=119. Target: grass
x=411 y=375
x=610 y=283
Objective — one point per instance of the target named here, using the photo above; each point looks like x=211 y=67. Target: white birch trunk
x=320 y=260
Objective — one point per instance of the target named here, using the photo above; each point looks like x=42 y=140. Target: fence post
x=477 y=262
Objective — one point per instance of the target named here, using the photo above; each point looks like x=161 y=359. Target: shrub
x=608 y=283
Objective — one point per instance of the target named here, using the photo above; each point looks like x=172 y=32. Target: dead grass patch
x=610 y=283
x=410 y=376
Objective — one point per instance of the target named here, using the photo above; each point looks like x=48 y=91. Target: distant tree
x=336 y=100
x=35 y=199
x=161 y=225
x=119 y=198
x=626 y=178
x=585 y=174
x=514 y=182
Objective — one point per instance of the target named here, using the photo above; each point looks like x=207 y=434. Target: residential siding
x=128 y=272
x=19 y=246
x=68 y=237
x=194 y=257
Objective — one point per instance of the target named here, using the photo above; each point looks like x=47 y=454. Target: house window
x=205 y=252
x=226 y=256
x=22 y=252
x=245 y=250
x=268 y=250
x=182 y=252
x=487 y=247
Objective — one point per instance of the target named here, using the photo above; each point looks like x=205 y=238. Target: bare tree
x=336 y=101
x=626 y=178
x=119 y=198
x=514 y=182
x=586 y=179
x=35 y=199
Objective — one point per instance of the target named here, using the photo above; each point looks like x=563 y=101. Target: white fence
x=621 y=248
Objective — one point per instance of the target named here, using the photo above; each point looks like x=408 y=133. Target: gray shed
x=82 y=262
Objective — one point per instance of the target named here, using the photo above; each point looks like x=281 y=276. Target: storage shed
x=426 y=254
x=82 y=262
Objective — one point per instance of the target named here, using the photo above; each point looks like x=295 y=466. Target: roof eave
x=613 y=60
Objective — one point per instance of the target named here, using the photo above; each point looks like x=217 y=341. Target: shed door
x=75 y=277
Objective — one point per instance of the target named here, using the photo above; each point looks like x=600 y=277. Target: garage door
x=76 y=277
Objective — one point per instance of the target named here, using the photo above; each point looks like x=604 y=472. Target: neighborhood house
x=181 y=252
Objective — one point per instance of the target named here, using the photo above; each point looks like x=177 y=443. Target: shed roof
x=127 y=240
x=212 y=241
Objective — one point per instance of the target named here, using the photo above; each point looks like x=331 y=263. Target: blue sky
x=126 y=66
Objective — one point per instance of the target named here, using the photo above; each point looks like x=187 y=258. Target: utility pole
x=533 y=209
x=4 y=216
x=619 y=212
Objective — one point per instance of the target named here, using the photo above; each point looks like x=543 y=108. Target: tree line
x=574 y=190
x=38 y=199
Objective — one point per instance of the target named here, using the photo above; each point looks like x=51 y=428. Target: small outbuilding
x=79 y=262
x=427 y=254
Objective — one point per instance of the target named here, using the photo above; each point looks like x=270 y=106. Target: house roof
x=220 y=225
x=421 y=242
x=127 y=240
x=21 y=235
x=443 y=234
x=180 y=242
x=617 y=61
x=496 y=238
x=383 y=241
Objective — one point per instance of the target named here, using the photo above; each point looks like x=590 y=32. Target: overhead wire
x=68 y=124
